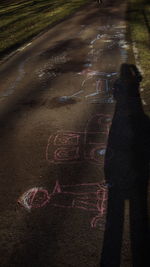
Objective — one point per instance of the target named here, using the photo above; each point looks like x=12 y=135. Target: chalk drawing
x=112 y=36
x=120 y=26
x=87 y=65
x=110 y=41
x=48 y=69
x=56 y=153
x=106 y=38
x=98 y=37
x=91 y=197
x=103 y=100
x=99 y=88
x=99 y=122
x=28 y=197
x=143 y=102
x=23 y=47
x=77 y=147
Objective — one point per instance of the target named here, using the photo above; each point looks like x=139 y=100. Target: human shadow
x=126 y=170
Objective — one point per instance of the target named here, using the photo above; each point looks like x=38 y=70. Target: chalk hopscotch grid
x=74 y=147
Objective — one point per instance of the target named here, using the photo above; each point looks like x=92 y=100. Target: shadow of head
x=130 y=73
x=126 y=87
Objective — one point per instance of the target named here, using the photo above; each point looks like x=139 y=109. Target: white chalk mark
x=102 y=151
x=23 y=47
x=29 y=196
x=144 y=103
x=96 y=93
x=88 y=65
x=79 y=92
x=103 y=100
x=123 y=44
x=101 y=85
x=99 y=36
x=107 y=41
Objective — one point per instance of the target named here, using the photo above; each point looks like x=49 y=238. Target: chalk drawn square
x=67 y=139
x=65 y=147
x=75 y=147
x=66 y=154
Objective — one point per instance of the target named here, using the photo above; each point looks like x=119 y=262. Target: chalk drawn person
x=127 y=170
x=90 y=197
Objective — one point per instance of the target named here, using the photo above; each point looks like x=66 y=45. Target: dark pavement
x=57 y=105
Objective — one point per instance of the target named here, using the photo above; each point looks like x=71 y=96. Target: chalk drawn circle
x=97 y=154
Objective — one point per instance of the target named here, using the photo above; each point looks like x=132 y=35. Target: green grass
x=139 y=24
x=21 y=20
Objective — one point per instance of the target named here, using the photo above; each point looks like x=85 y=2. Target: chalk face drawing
x=91 y=197
x=75 y=147
x=36 y=197
x=96 y=87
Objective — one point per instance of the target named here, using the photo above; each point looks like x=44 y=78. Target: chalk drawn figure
x=90 y=197
x=74 y=147
x=95 y=88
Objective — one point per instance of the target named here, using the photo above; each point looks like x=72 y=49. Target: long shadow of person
x=126 y=170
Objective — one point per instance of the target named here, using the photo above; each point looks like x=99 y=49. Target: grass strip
x=21 y=20
x=139 y=24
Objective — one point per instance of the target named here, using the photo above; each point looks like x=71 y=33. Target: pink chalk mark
x=90 y=197
x=73 y=147
x=67 y=139
x=65 y=154
x=28 y=199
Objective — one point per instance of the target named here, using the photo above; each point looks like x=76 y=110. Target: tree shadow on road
x=127 y=172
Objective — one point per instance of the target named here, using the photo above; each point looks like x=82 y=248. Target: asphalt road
x=56 y=109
